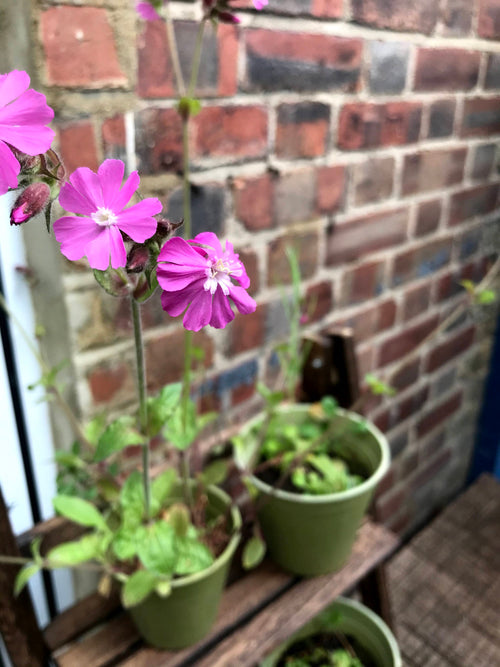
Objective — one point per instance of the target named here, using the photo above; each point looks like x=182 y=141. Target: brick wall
x=365 y=133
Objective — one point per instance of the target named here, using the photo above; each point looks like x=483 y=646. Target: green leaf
x=137 y=588
x=24 y=575
x=179 y=432
x=94 y=429
x=253 y=553
x=156 y=547
x=80 y=511
x=485 y=297
x=119 y=434
x=73 y=553
x=329 y=406
x=378 y=387
x=468 y=285
x=193 y=556
x=132 y=499
x=162 y=488
x=124 y=543
x=112 y=281
x=214 y=473
x=189 y=106
x=163 y=588
x=161 y=407
x=69 y=460
x=35 y=550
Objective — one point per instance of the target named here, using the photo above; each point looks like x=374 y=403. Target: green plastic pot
x=313 y=534
x=352 y=619
x=188 y=613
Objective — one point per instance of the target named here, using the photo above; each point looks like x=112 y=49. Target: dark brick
x=295 y=197
x=318 y=301
x=468 y=243
x=362 y=283
x=481 y=116
x=428 y=216
x=186 y=35
x=404 y=408
x=279 y=60
x=406 y=15
x=254 y=200
x=244 y=374
x=457 y=17
x=431 y=468
x=406 y=375
x=278 y=266
x=111 y=382
x=231 y=131
x=370 y=321
x=416 y=301
x=422 y=261
x=441 y=119
x=484 y=159
x=368 y=125
x=159 y=141
x=478 y=200
x=448 y=286
x=493 y=71
x=388 y=67
x=446 y=69
x=489 y=19
x=302 y=130
x=444 y=352
x=247 y=331
x=437 y=415
x=330 y=189
x=373 y=180
x=208 y=208
x=400 y=344
x=432 y=445
x=432 y=170
x=360 y=236
x=390 y=504
x=155 y=76
x=251 y=264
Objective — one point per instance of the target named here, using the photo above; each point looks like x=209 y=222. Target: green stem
x=174 y=52
x=196 y=59
x=143 y=406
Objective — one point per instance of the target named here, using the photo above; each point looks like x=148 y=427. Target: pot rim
x=228 y=551
x=339 y=496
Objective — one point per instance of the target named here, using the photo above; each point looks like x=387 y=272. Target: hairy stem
x=196 y=59
x=174 y=52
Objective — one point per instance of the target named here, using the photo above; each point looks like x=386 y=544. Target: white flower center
x=104 y=217
x=218 y=273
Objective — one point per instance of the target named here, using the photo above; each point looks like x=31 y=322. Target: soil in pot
x=326 y=649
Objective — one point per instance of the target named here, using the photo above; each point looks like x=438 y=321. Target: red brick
x=362 y=283
x=247 y=332
x=111 y=382
x=233 y=131
x=448 y=286
x=416 y=301
x=318 y=301
x=369 y=125
x=473 y=201
x=79 y=47
x=450 y=348
x=365 y=357
x=295 y=197
x=422 y=261
x=360 y=236
x=254 y=201
x=389 y=504
x=373 y=180
x=228 y=59
x=78 y=146
x=251 y=264
x=481 y=117
x=489 y=19
x=437 y=415
x=113 y=137
x=406 y=15
x=457 y=17
x=431 y=170
x=302 y=130
x=446 y=69
x=278 y=267
x=155 y=76
x=428 y=217
x=370 y=321
x=441 y=118
x=159 y=141
x=406 y=375
x=331 y=9
x=330 y=189
x=431 y=446
x=165 y=359
x=386 y=483
x=400 y=344
x=430 y=469
x=404 y=408
x=279 y=60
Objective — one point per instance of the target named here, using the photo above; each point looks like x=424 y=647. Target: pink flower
x=260 y=4
x=148 y=9
x=24 y=115
x=100 y=201
x=197 y=275
x=30 y=202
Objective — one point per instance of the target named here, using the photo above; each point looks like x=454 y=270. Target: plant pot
x=354 y=620
x=188 y=613
x=313 y=534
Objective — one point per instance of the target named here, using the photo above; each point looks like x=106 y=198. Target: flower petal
x=9 y=169
x=71 y=200
x=209 y=239
x=222 y=313
x=74 y=234
x=137 y=221
x=88 y=185
x=30 y=139
x=179 y=279
x=242 y=300
x=199 y=312
x=125 y=194
x=178 y=251
x=108 y=246
x=30 y=108
x=110 y=177
x=12 y=85
x=175 y=303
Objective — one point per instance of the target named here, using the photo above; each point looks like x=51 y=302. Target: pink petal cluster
x=149 y=10
x=260 y=4
x=99 y=201
x=24 y=115
x=197 y=276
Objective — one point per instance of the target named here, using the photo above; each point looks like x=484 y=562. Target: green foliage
x=378 y=387
x=138 y=586
x=80 y=511
x=486 y=297
x=161 y=407
x=113 y=281
x=214 y=473
x=182 y=429
x=188 y=106
x=253 y=552
x=24 y=575
x=162 y=489
x=121 y=433
x=89 y=547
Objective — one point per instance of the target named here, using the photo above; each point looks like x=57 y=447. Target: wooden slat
x=53 y=532
x=301 y=603
x=79 y=618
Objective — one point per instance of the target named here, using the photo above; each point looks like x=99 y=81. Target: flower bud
x=137 y=259
x=30 y=202
x=167 y=227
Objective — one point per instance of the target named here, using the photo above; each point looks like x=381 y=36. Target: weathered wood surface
x=267 y=597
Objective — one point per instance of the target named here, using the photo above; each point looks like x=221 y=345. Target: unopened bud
x=137 y=259
x=30 y=202
x=166 y=227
